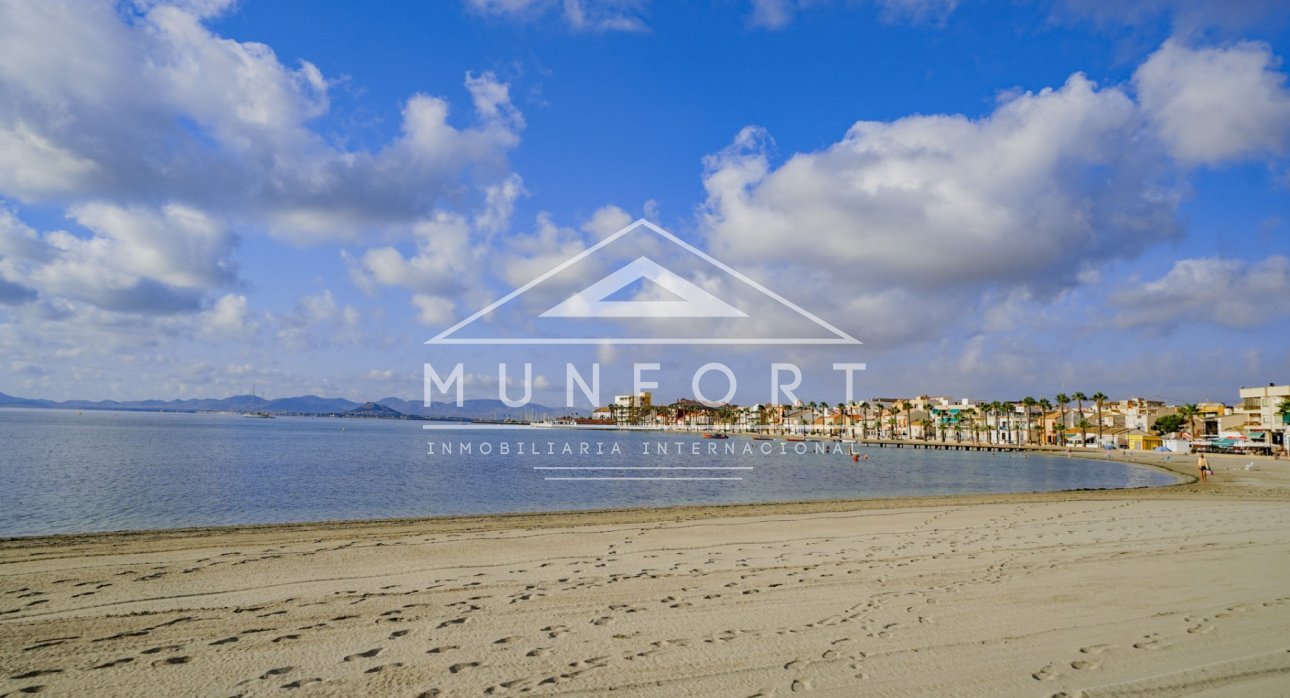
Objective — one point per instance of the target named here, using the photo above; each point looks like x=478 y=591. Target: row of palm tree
x=899 y=418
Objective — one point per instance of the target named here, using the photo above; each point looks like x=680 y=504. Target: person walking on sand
x=1203 y=466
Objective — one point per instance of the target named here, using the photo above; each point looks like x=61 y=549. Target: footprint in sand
x=172 y=661
x=276 y=672
x=115 y=662
x=52 y=642
x=1081 y=665
x=36 y=672
x=286 y=637
x=1151 y=642
x=462 y=666
x=1045 y=674
x=364 y=655
x=441 y=650
x=1096 y=649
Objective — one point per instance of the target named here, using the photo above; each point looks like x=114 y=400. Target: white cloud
x=153 y=105
x=772 y=14
x=433 y=310
x=916 y=11
x=1227 y=292
x=1216 y=104
x=776 y=14
x=229 y=318
x=528 y=256
x=318 y=321
x=499 y=204
x=136 y=260
x=606 y=221
x=578 y=15
x=1047 y=184
x=444 y=261
x=1188 y=17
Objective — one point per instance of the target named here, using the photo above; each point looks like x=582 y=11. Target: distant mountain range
x=390 y=407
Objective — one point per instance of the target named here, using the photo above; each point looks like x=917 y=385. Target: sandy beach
x=1171 y=591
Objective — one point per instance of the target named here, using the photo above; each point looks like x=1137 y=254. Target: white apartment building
x=1261 y=405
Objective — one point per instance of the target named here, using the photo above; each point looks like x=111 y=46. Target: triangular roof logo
x=691 y=301
x=683 y=299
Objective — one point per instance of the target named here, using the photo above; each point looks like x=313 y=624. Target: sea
x=63 y=471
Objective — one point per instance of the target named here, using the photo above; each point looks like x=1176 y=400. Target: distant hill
x=474 y=409
x=304 y=404
x=371 y=409
x=308 y=403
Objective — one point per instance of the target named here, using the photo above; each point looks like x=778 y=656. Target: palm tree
x=1062 y=401
x=864 y=420
x=1030 y=403
x=1189 y=412
x=1083 y=431
x=1098 y=399
x=1079 y=399
x=1060 y=432
x=1044 y=408
x=996 y=409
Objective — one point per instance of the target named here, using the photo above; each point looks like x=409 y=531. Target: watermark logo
x=617 y=296
x=641 y=286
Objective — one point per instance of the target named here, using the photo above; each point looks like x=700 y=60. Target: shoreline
x=567 y=517
x=1110 y=592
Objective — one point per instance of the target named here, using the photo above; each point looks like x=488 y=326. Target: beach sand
x=1172 y=591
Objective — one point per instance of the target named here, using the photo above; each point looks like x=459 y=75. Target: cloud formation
x=149 y=106
x=577 y=15
x=136 y=260
x=1048 y=183
x=939 y=212
x=1212 y=105
x=1228 y=292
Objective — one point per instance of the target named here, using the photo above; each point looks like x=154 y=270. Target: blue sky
x=999 y=199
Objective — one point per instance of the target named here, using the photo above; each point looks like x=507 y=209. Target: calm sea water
x=63 y=472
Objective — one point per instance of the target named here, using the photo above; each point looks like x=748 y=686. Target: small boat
x=761 y=437
x=794 y=438
x=714 y=435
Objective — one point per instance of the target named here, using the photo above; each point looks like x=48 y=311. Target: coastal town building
x=1264 y=419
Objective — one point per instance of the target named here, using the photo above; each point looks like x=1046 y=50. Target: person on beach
x=1203 y=466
